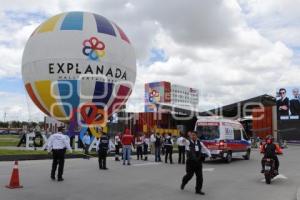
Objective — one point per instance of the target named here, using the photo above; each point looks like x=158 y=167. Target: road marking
x=146 y=164
x=298 y=194
x=280 y=176
x=208 y=169
x=155 y=163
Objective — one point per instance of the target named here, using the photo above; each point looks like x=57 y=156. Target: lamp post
x=157 y=115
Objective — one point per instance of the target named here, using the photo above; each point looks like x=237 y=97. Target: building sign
x=156 y=92
x=288 y=103
x=288 y=113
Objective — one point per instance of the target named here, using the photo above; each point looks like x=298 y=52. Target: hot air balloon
x=79 y=64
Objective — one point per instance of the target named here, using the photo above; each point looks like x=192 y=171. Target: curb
x=47 y=157
x=298 y=194
x=293 y=144
x=33 y=157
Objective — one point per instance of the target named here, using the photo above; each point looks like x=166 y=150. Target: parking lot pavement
x=239 y=180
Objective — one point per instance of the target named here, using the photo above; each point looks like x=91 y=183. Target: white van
x=225 y=138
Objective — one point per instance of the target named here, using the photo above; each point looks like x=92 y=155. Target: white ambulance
x=225 y=138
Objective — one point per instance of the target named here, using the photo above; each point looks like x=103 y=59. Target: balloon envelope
x=76 y=58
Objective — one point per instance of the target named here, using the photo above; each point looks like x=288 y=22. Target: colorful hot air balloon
x=76 y=60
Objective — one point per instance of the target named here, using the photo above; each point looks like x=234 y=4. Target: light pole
x=157 y=114
x=4 y=117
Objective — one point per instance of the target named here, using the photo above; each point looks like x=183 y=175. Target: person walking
x=86 y=141
x=194 y=149
x=152 y=142
x=181 y=142
x=22 y=139
x=145 y=146
x=168 y=144
x=157 y=146
x=102 y=148
x=139 y=146
x=57 y=144
x=163 y=149
x=118 y=146
x=127 y=142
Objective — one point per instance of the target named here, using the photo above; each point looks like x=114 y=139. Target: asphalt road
x=239 y=180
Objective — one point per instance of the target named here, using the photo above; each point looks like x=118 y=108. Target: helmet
x=269 y=139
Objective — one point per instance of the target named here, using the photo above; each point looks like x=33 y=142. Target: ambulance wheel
x=228 y=158
x=247 y=156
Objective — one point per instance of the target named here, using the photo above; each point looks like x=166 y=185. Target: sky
x=230 y=50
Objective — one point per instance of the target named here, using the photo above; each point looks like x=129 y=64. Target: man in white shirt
x=152 y=140
x=58 y=143
x=181 y=142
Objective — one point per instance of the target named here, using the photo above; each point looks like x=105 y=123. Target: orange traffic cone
x=14 y=180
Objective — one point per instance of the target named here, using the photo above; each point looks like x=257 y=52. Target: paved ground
x=239 y=180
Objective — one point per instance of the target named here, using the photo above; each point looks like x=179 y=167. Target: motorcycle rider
x=269 y=150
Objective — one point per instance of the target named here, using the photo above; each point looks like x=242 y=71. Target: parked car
x=3 y=132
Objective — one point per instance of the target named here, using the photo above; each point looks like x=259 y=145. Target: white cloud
x=230 y=50
x=15 y=106
x=275 y=19
x=250 y=65
x=13 y=36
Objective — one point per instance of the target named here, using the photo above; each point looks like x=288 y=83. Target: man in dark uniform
x=22 y=140
x=103 y=148
x=157 y=145
x=169 y=148
x=194 y=150
x=58 y=143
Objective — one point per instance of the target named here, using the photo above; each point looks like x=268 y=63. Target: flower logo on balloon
x=93 y=48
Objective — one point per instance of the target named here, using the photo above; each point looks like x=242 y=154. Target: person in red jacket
x=127 y=141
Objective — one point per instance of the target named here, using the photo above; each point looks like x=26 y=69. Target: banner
x=288 y=103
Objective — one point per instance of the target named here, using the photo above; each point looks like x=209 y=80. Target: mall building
x=184 y=96
x=166 y=93
x=171 y=108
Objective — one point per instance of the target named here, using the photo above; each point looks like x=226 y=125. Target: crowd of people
x=143 y=143
x=188 y=146
x=191 y=151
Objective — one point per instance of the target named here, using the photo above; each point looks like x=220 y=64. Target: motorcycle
x=270 y=171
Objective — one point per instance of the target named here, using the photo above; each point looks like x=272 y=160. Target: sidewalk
x=13 y=148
